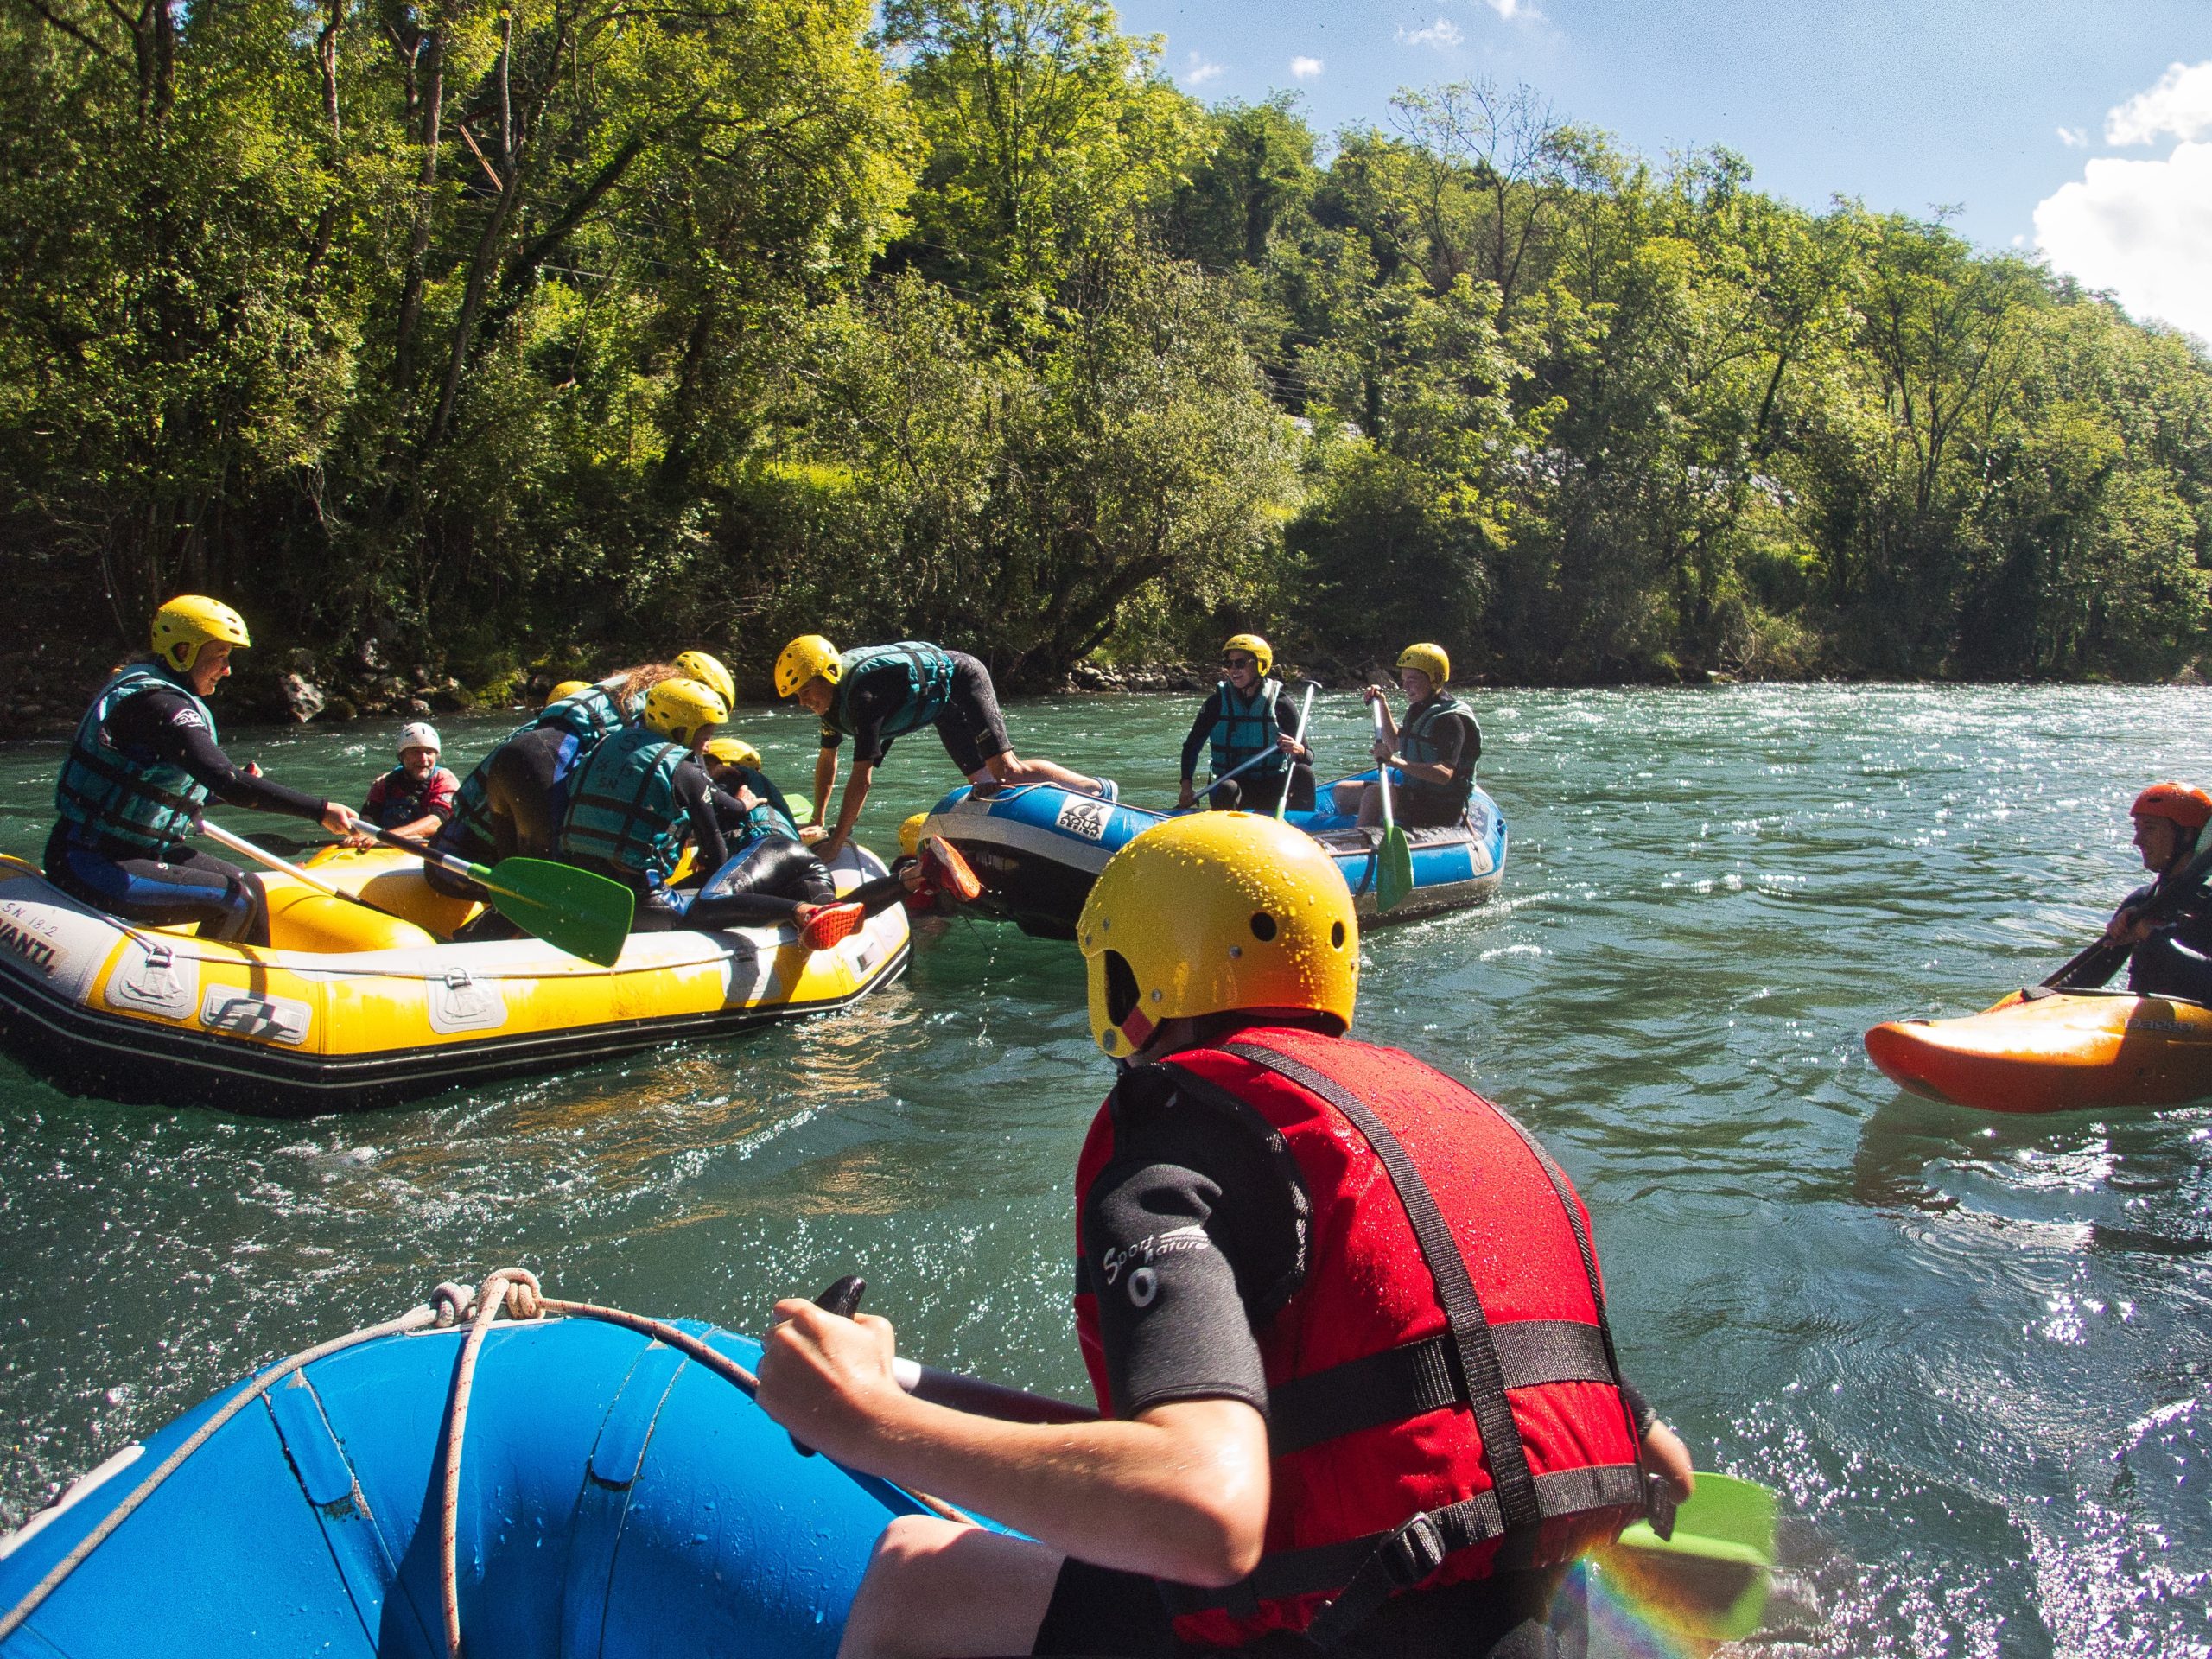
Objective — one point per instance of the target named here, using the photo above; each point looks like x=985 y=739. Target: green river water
x=1971 y=1352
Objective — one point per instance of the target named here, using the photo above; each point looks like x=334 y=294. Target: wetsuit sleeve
x=439 y=798
x=696 y=792
x=870 y=702
x=1201 y=728
x=1191 y=1242
x=1450 y=737
x=168 y=723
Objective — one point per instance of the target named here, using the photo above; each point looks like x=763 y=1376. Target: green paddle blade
x=582 y=913
x=1395 y=880
x=1710 y=1579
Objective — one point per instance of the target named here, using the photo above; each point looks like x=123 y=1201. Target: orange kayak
x=2054 y=1052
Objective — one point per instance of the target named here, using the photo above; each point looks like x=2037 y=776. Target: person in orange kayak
x=2171 y=951
x=1343 y=1317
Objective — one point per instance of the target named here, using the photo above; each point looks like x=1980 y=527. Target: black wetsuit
x=184 y=884
x=2176 y=960
x=971 y=726
x=1179 y=1164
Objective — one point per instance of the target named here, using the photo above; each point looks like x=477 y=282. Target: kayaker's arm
x=825 y=779
x=172 y=727
x=1179 y=1492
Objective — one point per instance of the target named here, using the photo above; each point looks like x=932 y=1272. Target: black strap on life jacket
x=1473 y=1364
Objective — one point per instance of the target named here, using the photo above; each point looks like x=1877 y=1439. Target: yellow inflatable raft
x=350 y=1007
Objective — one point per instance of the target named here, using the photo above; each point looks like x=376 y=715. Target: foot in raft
x=944 y=870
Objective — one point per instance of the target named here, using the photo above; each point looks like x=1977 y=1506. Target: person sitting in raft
x=875 y=693
x=1300 y=1449
x=510 y=804
x=563 y=689
x=1433 y=751
x=731 y=763
x=416 y=797
x=2172 y=953
x=1248 y=714
x=143 y=763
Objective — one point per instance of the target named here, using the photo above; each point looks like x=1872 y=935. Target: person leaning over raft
x=1433 y=750
x=1300 y=1450
x=143 y=763
x=416 y=797
x=1248 y=713
x=875 y=693
x=772 y=878
x=2172 y=956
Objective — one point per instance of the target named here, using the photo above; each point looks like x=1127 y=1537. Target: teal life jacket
x=592 y=713
x=127 y=802
x=1417 y=742
x=761 y=823
x=622 y=812
x=468 y=834
x=929 y=684
x=1243 y=727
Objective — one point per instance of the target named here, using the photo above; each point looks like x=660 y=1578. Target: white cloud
x=1305 y=68
x=1441 y=34
x=2142 y=229
x=1510 y=10
x=1199 y=71
x=2181 y=103
x=2072 y=138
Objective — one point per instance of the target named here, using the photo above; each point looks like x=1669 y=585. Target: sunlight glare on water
x=1971 y=1352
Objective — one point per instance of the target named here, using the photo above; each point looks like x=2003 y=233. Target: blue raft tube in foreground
x=613 y=1490
x=1038 y=848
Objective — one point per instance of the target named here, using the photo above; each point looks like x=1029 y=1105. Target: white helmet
x=420 y=734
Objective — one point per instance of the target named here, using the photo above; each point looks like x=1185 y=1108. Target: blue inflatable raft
x=616 y=1497
x=1038 y=848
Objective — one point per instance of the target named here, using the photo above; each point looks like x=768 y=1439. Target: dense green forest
x=567 y=330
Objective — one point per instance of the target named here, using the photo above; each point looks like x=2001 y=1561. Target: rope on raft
x=514 y=1291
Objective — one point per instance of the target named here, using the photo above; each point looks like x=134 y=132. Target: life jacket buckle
x=1659 y=1504
x=1415 y=1551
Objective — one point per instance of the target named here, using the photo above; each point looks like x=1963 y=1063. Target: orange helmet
x=2186 y=806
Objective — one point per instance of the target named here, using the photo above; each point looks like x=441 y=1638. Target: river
x=1972 y=1352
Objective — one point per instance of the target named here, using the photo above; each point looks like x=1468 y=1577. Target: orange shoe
x=829 y=924
x=944 y=869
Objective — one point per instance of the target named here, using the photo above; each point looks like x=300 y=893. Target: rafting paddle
x=1394 y=877
x=2098 y=964
x=572 y=910
x=1304 y=713
x=1709 y=1580
x=240 y=844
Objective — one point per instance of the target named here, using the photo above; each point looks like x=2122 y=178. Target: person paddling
x=143 y=763
x=1249 y=714
x=875 y=693
x=2172 y=952
x=1300 y=1449
x=1433 y=750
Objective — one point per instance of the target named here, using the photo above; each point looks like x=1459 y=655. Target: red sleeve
x=441 y=795
x=375 y=803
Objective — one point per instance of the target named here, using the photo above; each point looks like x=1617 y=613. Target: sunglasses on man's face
x=1239 y=662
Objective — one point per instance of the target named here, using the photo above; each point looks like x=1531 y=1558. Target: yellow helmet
x=1215 y=911
x=910 y=834
x=677 y=707
x=733 y=751
x=566 y=689
x=801 y=660
x=1263 y=654
x=191 y=620
x=708 y=671
x=1430 y=660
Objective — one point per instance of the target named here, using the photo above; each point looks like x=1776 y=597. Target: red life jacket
x=1443 y=1397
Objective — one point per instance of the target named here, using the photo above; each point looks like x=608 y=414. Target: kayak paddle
x=1394 y=877
x=1709 y=1580
x=572 y=910
x=1304 y=713
x=2094 y=966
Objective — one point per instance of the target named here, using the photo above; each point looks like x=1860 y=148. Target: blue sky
x=1997 y=107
